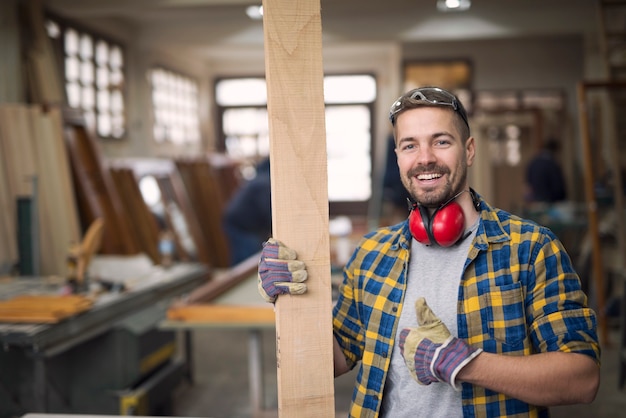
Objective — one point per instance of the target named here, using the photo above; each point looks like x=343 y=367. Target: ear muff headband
x=444 y=228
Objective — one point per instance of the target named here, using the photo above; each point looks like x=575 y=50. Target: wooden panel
x=8 y=220
x=17 y=150
x=142 y=222
x=294 y=72
x=95 y=191
x=177 y=204
x=206 y=199
x=58 y=214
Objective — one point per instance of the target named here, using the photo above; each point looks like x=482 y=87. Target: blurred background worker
x=544 y=177
x=247 y=218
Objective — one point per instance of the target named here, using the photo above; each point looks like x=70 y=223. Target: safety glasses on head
x=433 y=96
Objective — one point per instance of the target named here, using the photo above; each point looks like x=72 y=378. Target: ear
x=470 y=150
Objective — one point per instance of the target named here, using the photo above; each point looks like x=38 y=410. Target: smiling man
x=462 y=310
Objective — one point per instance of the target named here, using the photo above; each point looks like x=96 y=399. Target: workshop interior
x=129 y=129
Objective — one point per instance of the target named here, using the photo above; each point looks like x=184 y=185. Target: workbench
x=239 y=308
x=152 y=288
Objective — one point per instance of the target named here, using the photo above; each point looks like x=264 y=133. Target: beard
x=435 y=197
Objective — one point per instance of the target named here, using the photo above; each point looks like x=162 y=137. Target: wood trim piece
x=295 y=99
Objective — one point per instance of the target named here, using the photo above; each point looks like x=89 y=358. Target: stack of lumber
x=45 y=309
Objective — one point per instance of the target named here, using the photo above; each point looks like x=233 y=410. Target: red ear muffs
x=444 y=228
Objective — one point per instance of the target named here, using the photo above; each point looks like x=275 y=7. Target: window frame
x=58 y=44
x=354 y=208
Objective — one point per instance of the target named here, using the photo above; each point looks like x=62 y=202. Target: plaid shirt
x=518 y=295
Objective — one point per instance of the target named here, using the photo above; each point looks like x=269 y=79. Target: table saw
x=108 y=359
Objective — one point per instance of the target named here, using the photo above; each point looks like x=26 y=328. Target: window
x=175 y=104
x=349 y=99
x=94 y=78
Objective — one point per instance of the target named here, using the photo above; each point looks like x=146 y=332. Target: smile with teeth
x=429 y=176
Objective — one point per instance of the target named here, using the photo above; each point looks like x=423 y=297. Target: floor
x=220 y=388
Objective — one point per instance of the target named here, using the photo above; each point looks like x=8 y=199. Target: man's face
x=432 y=157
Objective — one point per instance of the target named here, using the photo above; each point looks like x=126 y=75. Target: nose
x=425 y=155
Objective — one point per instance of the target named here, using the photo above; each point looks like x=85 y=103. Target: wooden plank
x=294 y=74
x=8 y=233
x=58 y=216
x=42 y=308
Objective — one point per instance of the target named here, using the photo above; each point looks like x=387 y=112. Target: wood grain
x=294 y=73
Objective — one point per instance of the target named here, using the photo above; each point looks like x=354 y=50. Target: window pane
x=241 y=91
x=73 y=94
x=71 y=42
x=102 y=53
x=349 y=89
x=86 y=72
x=102 y=77
x=348 y=143
x=86 y=47
x=246 y=132
x=72 y=66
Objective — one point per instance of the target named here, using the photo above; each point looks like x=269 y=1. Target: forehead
x=425 y=117
x=425 y=122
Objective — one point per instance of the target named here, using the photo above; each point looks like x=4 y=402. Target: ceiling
x=202 y=27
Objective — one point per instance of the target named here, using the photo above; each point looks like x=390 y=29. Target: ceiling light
x=255 y=12
x=453 y=5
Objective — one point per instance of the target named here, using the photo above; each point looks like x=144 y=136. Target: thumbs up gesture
x=430 y=352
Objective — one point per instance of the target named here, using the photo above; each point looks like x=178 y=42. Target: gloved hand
x=279 y=271
x=430 y=352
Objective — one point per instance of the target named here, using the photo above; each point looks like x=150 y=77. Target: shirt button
x=394 y=309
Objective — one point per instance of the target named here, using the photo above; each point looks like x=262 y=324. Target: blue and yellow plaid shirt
x=519 y=295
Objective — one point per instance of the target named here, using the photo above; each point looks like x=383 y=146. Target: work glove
x=279 y=271
x=430 y=352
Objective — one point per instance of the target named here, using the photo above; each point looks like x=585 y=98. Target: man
x=247 y=218
x=462 y=310
x=544 y=177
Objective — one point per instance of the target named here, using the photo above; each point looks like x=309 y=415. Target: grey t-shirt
x=434 y=273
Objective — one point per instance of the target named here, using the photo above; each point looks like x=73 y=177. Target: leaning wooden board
x=295 y=98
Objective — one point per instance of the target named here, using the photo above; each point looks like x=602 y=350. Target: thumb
x=425 y=315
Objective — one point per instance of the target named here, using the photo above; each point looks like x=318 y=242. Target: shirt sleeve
x=562 y=319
